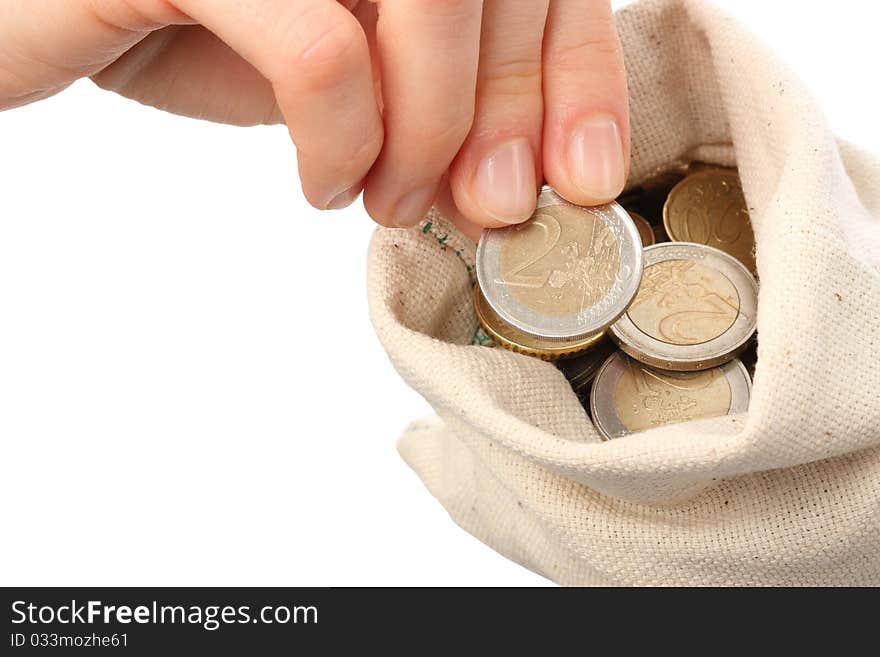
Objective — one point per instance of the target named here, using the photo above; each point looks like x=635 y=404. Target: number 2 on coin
x=552 y=231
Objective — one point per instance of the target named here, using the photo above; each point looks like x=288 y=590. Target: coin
x=512 y=338
x=628 y=396
x=566 y=273
x=696 y=308
x=708 y=207
x=646 y=232
x=581 y=370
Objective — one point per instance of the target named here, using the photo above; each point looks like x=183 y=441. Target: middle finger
x=429 y=51
x=494 y=178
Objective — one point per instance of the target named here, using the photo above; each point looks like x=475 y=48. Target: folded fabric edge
x=451 y=472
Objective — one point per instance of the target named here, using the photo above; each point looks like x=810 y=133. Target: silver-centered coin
x=566 y=273
x=628 y=396
x=696 y=308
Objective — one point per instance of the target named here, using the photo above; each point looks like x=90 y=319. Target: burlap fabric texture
x=787 y=494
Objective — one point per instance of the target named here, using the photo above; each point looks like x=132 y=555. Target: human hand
x=464 y=103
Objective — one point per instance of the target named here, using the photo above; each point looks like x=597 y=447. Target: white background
x=190 y=388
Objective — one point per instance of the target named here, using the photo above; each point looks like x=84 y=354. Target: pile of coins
x=644 y=304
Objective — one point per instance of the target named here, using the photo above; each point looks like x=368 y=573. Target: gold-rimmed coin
x=628 y=396
x=510 y=337
x=708 y=207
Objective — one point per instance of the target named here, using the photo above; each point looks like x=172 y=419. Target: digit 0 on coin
x=708 y=207
x=696 y=308
x=567 y=273
x=628 y=396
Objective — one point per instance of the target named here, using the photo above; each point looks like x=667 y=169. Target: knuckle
x=135 y=15
x=514 y=77
x=577 y=55
x=601 y=44
x=452 y=8
x=326 y=52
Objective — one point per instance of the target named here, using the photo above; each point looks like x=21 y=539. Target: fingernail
x=595 y=157
x=411 y=208
x=504 y=184
x=344 y=199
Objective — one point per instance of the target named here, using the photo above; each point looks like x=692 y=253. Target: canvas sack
x=787 y=494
